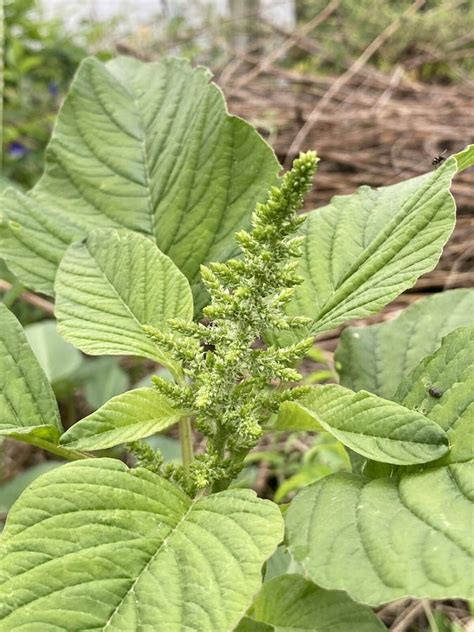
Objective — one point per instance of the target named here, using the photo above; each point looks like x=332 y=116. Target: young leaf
x=127 y=417
x=58 y=359
x=374 y=427
x=112 y=284
x=27 y=402
x=388 y=538
x=376 y=358
x=291 y=603
x=364 y=249
x=143 y=555
x=442 y=386
x=145 y=146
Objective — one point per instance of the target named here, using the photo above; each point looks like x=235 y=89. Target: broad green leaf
x=104 y=378
x=442 y=388
x=127 y=417
x=374 y=427
x=378 y=357
x=281 y=563
x=160 y=371
x=112 y=284
x=250 y=625
x=291 y=603
x=11 y=490
x=104 y=547
x=5 y=183
x=326 y=456
x=58 y=359
x=170 y=448
x=388 y=538
x=27 y=402
x=5 y=272
x=101 y=378
x=145 y=146
x=364 y=249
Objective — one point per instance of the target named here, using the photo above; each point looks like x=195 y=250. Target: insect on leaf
x=376 y=358
x=363 y=250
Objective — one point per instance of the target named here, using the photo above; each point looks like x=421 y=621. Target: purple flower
x=53 y=88
x=17 y=150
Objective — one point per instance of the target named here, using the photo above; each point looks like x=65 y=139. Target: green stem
x=429 y=615
x=13 y=293
x=65 y=453
x=185 y=429
x=186 y=439
x=237 y=459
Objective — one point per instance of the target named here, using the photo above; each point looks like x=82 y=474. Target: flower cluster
x=231 y=381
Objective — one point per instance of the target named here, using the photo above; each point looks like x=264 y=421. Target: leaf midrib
x=372 y=248
x=114 y=289
x=150 y=562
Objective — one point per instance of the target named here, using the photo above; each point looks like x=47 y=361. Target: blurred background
x=378 y=87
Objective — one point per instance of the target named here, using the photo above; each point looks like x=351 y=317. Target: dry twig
x=32 y=299
x=347 y=76
x=295 y=37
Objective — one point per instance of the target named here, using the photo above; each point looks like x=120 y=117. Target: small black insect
x=437 y=160
x=434 y=391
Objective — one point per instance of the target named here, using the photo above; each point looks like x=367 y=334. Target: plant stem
x=223 y=484
x=65 y=453
x=186 y=439
x=429 y=615
x=13 y=293
x=185 y=430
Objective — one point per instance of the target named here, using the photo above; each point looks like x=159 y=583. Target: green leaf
x=143 y=554
x=5 y=272
x=291 y=603
x=326 y=456
x=374 y=427
x=12 y=489
x=281 y=563
x=388 y=538
x=170 y=448
x=376 y=358
x=364 y=249
x=250 y=625
x=111 y=285
x=127 y=417
x=27 y=402
x=58 y=359
x=145 y=146
x=442 y=387
x=104 y=378
x=5 y=183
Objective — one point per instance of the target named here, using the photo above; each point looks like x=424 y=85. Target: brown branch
x=266 y=62
x=346 y=77
x=403 y=622
x=30 y=298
